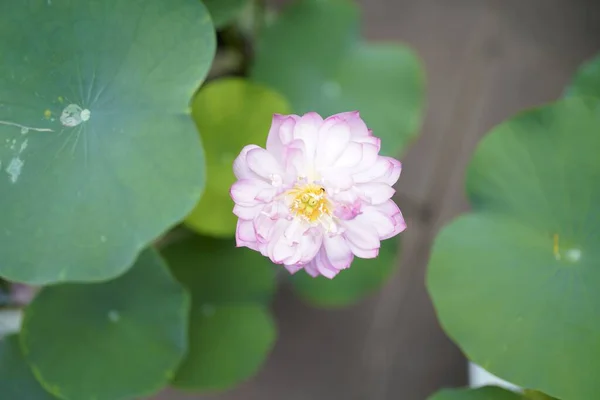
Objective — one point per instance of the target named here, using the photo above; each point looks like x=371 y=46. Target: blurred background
x=485 y=61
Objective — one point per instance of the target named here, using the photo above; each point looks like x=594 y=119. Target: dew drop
x=85 y=115
x=573 y=255
x=74 y=115
x=24 y=130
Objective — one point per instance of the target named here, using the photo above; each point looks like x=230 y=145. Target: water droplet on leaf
x=74 y=115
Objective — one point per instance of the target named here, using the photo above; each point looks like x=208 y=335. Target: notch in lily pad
x=231 y=328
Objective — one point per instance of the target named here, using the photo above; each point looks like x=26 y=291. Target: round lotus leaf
x=231 y=331
x=338 y=72
x=482 y=393
x=98 y=152
x=216 y=272
x=586 y=81
x=119 y=339
x=228 y=344
x=515 y=281
x=16 y=379
x=364 y=277
x=231 y=113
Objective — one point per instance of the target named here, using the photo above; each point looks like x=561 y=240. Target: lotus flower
x=318 y=195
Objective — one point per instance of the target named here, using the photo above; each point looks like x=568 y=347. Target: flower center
x=309 y=202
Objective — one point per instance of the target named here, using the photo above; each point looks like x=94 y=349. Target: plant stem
x=233 y=38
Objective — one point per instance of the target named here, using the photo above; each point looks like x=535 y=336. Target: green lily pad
x=98 y=152
x=364 y=277
x=16 y=379
x=483 y=393
x=217 y=272
x=586 y=81
x=231 y=330
x=231 y=113
x=515 y=282
x=229 y=344
x=120 y=339
x=336 y=72
x=224 y=11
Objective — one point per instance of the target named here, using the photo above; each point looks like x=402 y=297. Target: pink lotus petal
x=293 y=268
x=281 y=133
x=358 y=128
x=283 y=253
x=331 y=143
x=247 y=212
x=376 y=192
x=350 y=157
x=263 y=164
x=246 y=235
x=361 y=234
x=324 y=267
x=311 y=269
x=346 y=211
x=240 y=165
x=363 y=253
x=391 y=210
x=337 y=252
x=245 y=192
x=376 y=173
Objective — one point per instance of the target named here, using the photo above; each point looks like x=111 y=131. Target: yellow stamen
x=309 y=202
x=555 y=248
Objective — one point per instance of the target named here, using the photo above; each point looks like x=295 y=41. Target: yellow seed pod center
x=309 y=202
